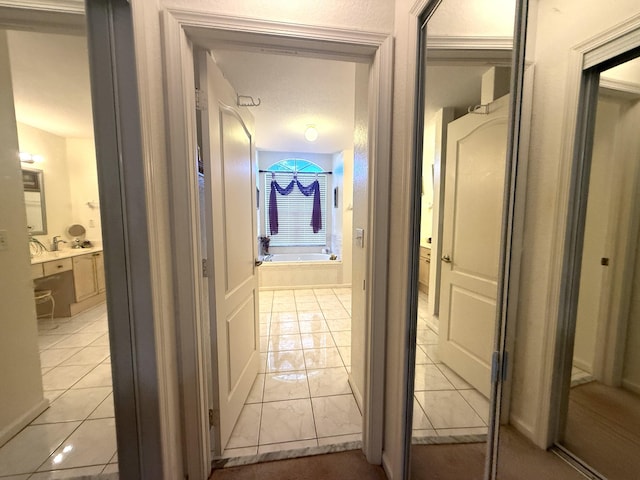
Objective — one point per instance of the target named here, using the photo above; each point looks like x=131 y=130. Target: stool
x=43 y=296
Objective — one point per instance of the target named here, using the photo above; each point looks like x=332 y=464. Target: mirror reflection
x=464 y=151
x=602 y=425
x=33 y=184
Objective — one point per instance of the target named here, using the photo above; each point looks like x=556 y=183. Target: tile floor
x=301 y=397
x=444 y=404
x=76 y=435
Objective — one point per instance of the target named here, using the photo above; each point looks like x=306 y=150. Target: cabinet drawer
x=37 y=271
x=51 y=268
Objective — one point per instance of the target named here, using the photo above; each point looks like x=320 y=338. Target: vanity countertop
x=66 y=253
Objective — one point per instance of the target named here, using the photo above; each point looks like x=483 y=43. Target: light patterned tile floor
x=75 y=436
x=444 y=404
x=301 y=397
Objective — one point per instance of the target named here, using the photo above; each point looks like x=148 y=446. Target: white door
x=230 y=220
x=474 y=187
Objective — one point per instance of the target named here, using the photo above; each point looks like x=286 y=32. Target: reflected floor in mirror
x=76 y=435
x=519 y=460
x=446 y=408
x=603 y=428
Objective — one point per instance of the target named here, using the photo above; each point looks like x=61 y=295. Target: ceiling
x=294 y=92
x=52 y=91
x=51 y=88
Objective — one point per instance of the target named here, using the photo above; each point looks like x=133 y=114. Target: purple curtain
x=312 y=189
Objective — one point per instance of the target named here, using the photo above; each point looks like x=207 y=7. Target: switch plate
x=359 y=237
x=4 y=240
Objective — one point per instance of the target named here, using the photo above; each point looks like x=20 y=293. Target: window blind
x=294 y=212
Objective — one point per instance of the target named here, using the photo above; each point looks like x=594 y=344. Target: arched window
x=295 y=210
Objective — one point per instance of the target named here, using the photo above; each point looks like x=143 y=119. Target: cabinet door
x=84 y=278
x=99 y=266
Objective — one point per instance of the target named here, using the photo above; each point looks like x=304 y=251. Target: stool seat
x=42 y=296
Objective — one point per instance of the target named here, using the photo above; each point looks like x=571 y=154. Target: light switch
x=4 y=240
x=359 y=237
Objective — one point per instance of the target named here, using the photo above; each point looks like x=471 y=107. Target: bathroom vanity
x=75 y=277
x=423 y=271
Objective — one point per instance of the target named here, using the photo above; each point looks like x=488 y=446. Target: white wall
x=83 y=185
x=631 y=371
x=595 y=238
x=21 y=396
x=343 y=214
x=428 y=153
x=56 y=177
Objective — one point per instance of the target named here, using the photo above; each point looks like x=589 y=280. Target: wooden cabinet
x=88 y=275
x=77 y=282
x=423 y=271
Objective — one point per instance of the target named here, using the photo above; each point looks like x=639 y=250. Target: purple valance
x=312 y=189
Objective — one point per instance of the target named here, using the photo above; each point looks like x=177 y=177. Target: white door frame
x=137 y=384
x=183 y=29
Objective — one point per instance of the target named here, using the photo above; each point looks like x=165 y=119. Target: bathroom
x=63 y=393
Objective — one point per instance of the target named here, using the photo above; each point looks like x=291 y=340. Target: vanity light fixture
x=26 y=157
x=311 y=133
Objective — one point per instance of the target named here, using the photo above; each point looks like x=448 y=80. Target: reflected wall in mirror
x=602 y=424
x=465 y=86
x=34 y=200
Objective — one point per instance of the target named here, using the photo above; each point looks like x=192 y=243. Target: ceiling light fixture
x=311 y=133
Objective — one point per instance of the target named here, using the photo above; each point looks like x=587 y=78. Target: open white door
x=474 y=186
x=230 y=189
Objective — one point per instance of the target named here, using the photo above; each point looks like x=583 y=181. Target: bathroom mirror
x=33 y=185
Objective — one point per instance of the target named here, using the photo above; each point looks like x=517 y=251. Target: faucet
x=55 y=246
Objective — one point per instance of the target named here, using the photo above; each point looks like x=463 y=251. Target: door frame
x=181 y=31
x=512 y=235
x=586 y=61
x=125 y=234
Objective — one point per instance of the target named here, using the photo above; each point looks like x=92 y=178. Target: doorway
x=375 y=51
x=67 y=283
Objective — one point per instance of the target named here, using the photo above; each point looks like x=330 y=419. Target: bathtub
x=300 y=257
x=291 y=270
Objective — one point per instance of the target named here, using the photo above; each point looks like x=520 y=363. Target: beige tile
x=420 y=420
x=478 y=402
x=458 y=382
x=73 y=405
x=317 y=340
x=310 y=316
x=111 y=468
x=53 y=357
x=322 y=358
x=285 y=328
x=285 y=386
x=279 y=343
x=429 y=377
x=78 y=340
x=71 y=473
x=342 y=339
x=338 y=439
x=245 y=432
x=335 y=313
x=100 y=376
x=88 y=356
x=285 y=361
x=339 y=325
x=92 y=443
x=240 y=452
x=255 y=395
x=336 y=415
x=287 y=421
x=448 y=409
x=104 y=410
x=313 y=326
x=328 y=381
x=291 y=316
x=25 y=452
x=64 y=377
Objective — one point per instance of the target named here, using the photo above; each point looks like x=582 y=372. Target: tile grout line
x=306 y=374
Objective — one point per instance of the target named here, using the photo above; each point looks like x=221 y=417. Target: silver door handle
x=446 y=259
x=258 y=262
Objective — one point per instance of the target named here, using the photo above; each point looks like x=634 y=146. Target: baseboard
x=523 y=428
x=356 y=393
x=386 y=467
x=25 y=419
x=631 y=386
x=582 y=365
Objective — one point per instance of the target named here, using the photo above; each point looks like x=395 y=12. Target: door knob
x=446 y=259
x=258 y=262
